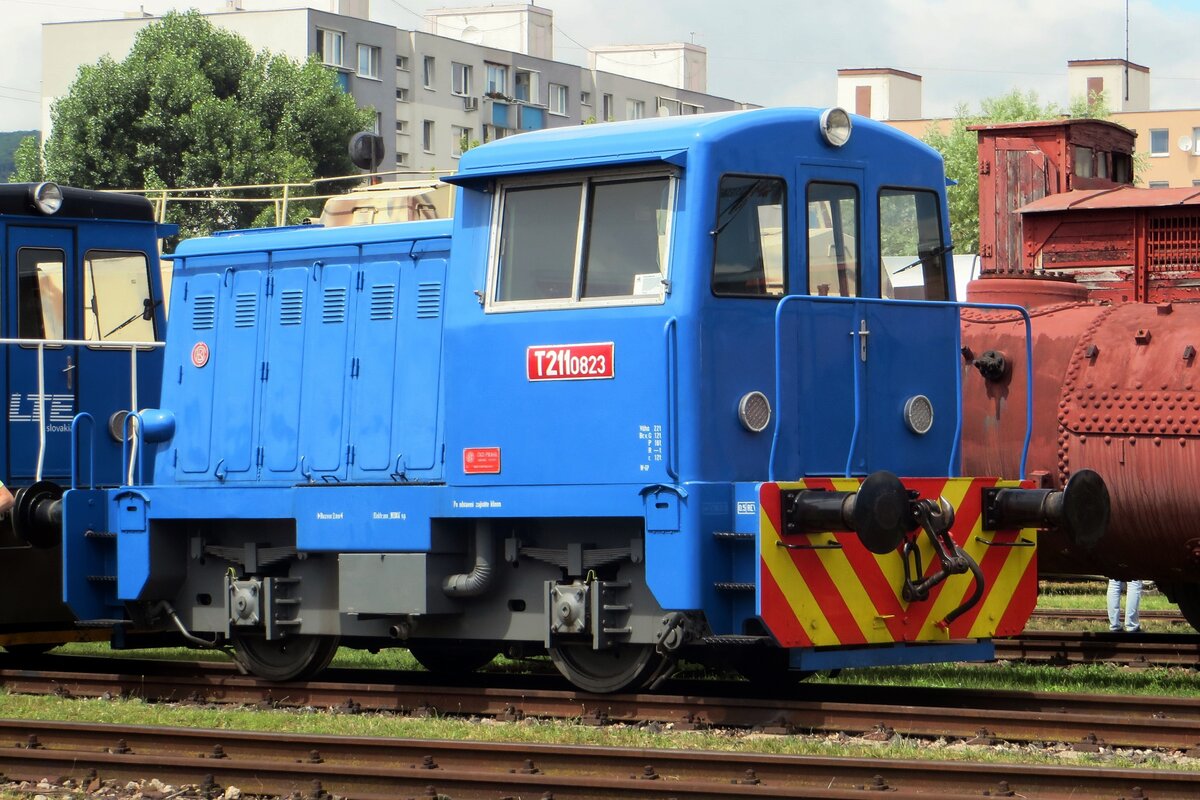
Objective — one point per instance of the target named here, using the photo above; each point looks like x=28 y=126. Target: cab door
x=871 y=360
x=39 y=291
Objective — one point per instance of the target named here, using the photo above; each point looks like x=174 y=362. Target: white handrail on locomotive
x=40 y=402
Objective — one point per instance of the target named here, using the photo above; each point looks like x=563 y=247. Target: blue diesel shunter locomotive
x=82 y=328
x=646 y=395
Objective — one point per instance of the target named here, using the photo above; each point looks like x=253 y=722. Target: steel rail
x=876 y=711
x=369 y=767
x=1066 y=647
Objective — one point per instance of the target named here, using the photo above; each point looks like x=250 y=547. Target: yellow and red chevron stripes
x=851 y=596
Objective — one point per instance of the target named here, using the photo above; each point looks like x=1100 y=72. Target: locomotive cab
x=82 y=326
x=647 y=397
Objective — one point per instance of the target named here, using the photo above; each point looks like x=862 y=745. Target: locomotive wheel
x=293 y=658
x=453 y=658
x=611 y=670
x=1187 y=597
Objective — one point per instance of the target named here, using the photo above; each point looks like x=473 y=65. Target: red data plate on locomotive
x=569 y=362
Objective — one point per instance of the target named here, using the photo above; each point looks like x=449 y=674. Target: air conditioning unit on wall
x=470 y=103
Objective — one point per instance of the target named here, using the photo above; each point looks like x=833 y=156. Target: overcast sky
x=776 y=52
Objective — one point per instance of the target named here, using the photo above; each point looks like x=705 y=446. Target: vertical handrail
x=129 y=447
x=671 y=332
x=854 y=370
x=75 y=424
x=41 y=409
x=952 y=467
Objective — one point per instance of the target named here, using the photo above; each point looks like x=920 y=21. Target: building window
x=460 y=140
x=558 y=99
x=691 y=108
x=673 y=107
x=402 y=126
x=402 y=95
x=497 y=79
x=585 y=98
x=1160 y=184
x=402 y=63
x=461 y=79
x=427 y=72
x=493 y=132
x=525 y=86
x=635 y=109
x=862 y=101
x=427 y=136
x=1196 y=141
x=401 y=159
x=606 y=111
x=1159 y=142
x=329 y=47
x=368 y=61
x=377 y=126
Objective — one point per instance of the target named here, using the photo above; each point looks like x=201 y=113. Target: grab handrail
x=954 y=452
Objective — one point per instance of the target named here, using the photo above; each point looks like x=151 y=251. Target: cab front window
x=596 y=240
x=913 y=263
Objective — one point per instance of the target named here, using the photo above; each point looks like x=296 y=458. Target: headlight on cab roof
x=47 y=197
x=835 y=126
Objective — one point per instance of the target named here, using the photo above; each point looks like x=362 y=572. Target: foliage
x=27 y=161
x=10 y=142
x=194 y=106
x=959 y=148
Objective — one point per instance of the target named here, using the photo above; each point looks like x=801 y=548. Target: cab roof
x=659 y=139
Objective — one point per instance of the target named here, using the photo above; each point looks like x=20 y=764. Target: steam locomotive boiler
x=1111 y=275
x=646 y=396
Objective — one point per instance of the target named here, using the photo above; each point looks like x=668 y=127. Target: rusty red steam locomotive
x=1111 y=276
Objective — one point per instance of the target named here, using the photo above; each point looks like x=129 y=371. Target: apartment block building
x=477 y=74
x=1168 y=139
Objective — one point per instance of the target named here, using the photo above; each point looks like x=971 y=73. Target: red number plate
x=569 y=362
x=481 y=460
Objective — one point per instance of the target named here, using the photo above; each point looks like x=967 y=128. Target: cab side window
x=913 y=264
x=601 y=239
x=833 y=240
x=40 y=293
x=748 y=238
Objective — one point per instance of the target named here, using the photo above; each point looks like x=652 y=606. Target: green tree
x=27 y=161
x=959 y=147
x=193 y=105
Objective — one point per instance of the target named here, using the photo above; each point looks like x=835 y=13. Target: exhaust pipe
x=475 y=582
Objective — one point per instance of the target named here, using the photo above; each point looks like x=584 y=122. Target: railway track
x=363 y=768
x=1101 y=615
x=1087 y=722
x=1069 y=647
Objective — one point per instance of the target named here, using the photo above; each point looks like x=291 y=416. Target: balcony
x=505 y=112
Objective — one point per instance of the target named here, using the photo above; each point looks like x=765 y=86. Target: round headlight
x=47 y=197
x=835 y=126
x=116 y=425
x=918 y=414
x=754 y=412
